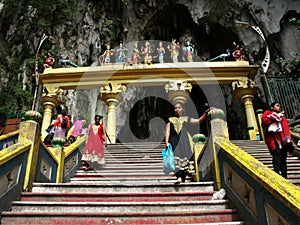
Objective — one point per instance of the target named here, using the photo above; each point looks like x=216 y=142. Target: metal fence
x=287 y=92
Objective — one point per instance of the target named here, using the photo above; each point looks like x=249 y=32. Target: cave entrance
x=209 y=38
x=175 y=22
x=147 y=118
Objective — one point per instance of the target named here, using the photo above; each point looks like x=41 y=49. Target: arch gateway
x=177 y=80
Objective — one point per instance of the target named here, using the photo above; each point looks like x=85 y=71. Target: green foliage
x=15 y=99
x=290 y=68
x=296 y=22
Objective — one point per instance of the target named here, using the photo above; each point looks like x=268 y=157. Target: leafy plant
x=291 y=68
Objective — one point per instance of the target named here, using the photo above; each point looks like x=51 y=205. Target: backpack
x=64 y=123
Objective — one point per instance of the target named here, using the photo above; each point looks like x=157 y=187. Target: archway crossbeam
x=147 y=75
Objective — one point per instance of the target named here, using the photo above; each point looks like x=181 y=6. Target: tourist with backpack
x=62 y=125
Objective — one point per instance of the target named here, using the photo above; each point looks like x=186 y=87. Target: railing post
x=199 y=140
x=218 y=127
x=58 y=151
x=30 y=131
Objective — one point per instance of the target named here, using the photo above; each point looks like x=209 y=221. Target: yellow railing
x=61 y=154
x=239 y=170
x=13 y=151
x=26 y=156
x=11 y=134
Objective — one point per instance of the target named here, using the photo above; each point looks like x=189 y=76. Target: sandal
x=178 y=181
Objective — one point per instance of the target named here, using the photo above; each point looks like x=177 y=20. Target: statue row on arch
x=149 y=52
x=158 y=51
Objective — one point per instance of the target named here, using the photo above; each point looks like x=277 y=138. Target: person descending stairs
x=130 y=188
x=259 y=150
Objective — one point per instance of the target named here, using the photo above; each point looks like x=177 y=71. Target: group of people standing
x=93 y=154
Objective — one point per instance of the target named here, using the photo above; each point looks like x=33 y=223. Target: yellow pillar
x=111 y=127
x=259 y=113
x=111 y=95
x=245 y=90
x=49 y=103
x=178 y=91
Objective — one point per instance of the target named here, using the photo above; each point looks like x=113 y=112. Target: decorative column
x=49 y=102
x=178 y=91
x=111 y=95
x=245 y=90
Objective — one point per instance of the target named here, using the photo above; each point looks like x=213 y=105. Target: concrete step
x=259 y=150
x=132 y=166
x=117 y=197
x=165 y=206
x=78 y=218
x=96 y=187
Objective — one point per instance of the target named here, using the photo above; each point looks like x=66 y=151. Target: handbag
x=168 y=159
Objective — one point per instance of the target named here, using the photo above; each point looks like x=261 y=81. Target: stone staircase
x=130 y=189
x=259 y=150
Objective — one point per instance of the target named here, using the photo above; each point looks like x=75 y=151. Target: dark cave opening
x=175 y=22
x=151 y=107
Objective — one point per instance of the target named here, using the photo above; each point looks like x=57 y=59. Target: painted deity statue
x=147 y=53
x=174 y=50
x=239 y=54
x=161 y=52
x=135 y=54
x=106 y=56
x=49 y=61
x=188 y=50
x=121 y=51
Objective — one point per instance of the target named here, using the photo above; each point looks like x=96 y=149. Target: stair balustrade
x=27 y=160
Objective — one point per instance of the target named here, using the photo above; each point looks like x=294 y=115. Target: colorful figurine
x=147 y=53
x=161 y=52
x=174 y=50
x=222 y=56
x=106 y=56
x=121 y=51
x=188 y=50
x=66 y=62
x=135 y=54
x=239 y=54
x=49 y=61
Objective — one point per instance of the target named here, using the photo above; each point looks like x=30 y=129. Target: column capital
x=50 y=100
x=244 y=88
x=178 y=91
x=112 y=92
x=52 y=97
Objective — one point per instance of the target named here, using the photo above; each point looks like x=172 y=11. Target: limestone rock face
x=82 y=29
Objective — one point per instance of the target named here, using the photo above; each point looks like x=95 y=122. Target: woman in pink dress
x=93 y=154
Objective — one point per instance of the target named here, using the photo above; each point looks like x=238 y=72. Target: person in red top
x=62 y=124
x=93 y=153
x=277 y=137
